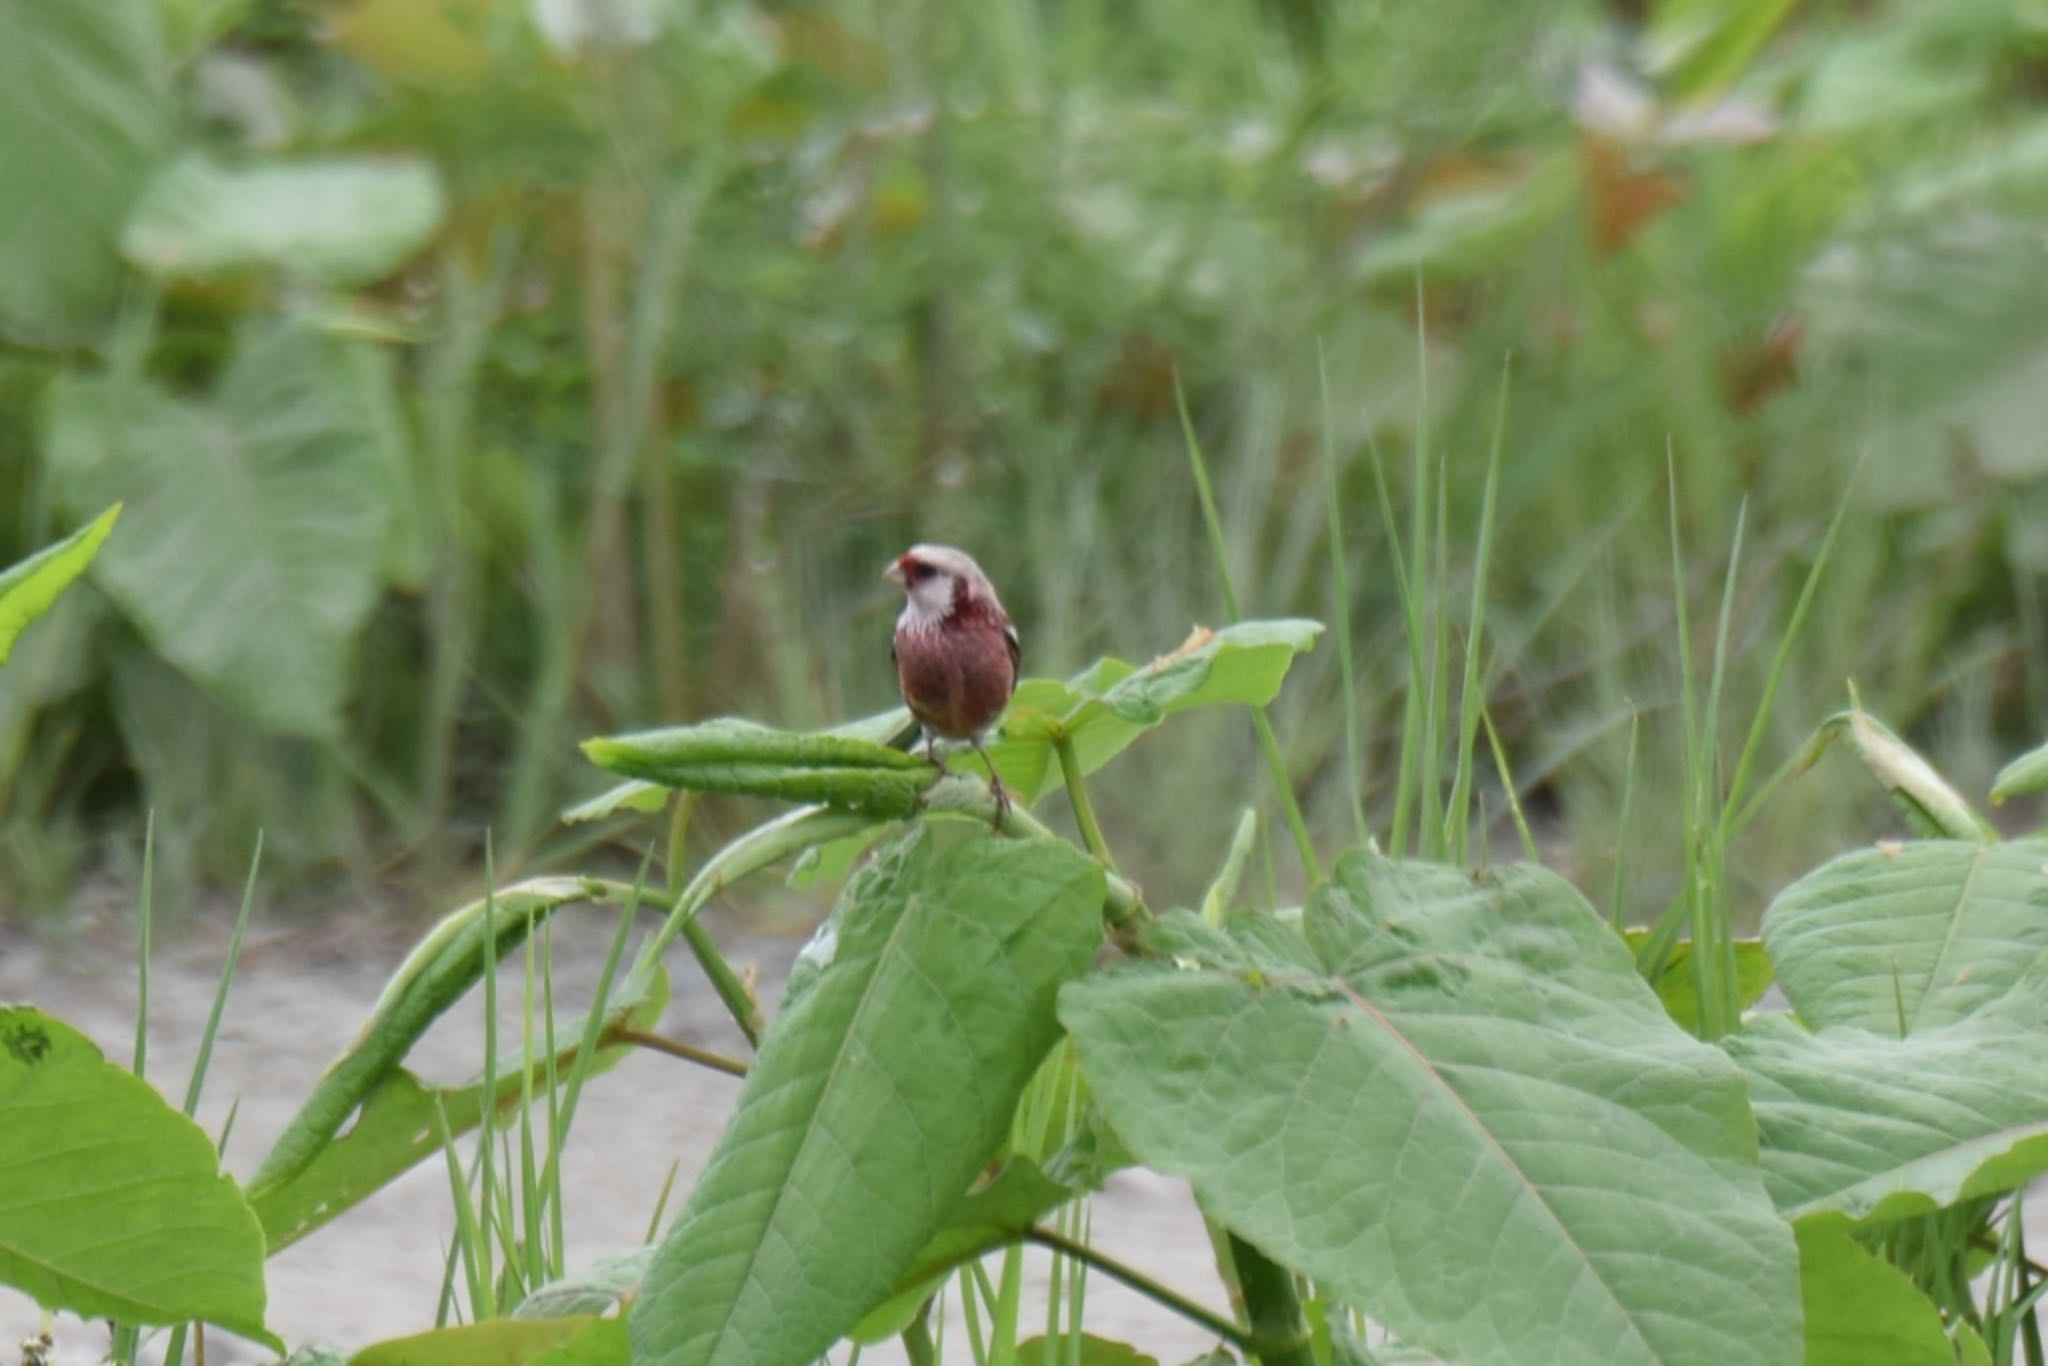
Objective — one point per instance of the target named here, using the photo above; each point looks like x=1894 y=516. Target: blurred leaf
x=2028 y=773
x=115 y=1206
x=1474 y=222
x=876 y=1097
x=442 y=967
x=731 y=755
x=1678 y=988
x=636 y=795
x=1877 y=1127
x=398 y=1124
x=256 y=524
x=421 y=42
x=1476 y=1113
x=85 y=106
x=578 y=1341
x=1110 y=704
x=1702 y=46
x=340 y=221
x=1930 y=805
x=1860 y=1309
x=1903 y=938
x=30 y=588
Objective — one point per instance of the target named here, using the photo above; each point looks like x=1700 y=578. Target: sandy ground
x=298 y=1000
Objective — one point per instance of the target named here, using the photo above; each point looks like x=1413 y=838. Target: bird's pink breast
x=956 y=676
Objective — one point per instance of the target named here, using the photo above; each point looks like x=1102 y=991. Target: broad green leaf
x=996 y=1214
x=877 y=1096
x=1905 y=937
x=29 y=589
x=1930 y=805
x=1678 y=988
x=2028 y=773
x=731 y=755
x=115 y=1205
x=1860 y=1309
x=1473 y=1121
x=252 y=545
x=340 y=221
x=397 y=1125
x=85 y=106
x=1110 y=704
x=578 y=1341
x=436 y=974
x=1878 y=1127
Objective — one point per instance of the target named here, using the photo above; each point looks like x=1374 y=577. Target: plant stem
x=1077 y=793
x=1137 y=1280
x=1280 y=1334
x=917 y=1344
x=676 y=1048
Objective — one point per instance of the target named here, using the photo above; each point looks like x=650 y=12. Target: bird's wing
x=1016 y=650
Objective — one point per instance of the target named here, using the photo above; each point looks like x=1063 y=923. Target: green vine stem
x=1137 y=1280
x=1077 y=793
x=1280 y=1334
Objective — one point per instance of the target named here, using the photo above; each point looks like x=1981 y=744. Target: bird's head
x=937 y=578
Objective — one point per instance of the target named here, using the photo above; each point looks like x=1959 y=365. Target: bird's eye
x=922 y=572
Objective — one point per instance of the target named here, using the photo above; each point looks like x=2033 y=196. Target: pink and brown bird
x=956 y=651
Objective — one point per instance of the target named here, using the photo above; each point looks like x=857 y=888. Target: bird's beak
x=893 y=571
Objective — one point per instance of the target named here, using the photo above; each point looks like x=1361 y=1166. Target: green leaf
x=29 y=589
x=876 y=1098
x=115 y=1205
x=1860 y=1309
x=610 y=1279
x=340 y=220
x=1678 y=988
x=2028 y=773
x=1930 y=805
x=1473 y=1122
x=434 y=976
x=1089 y=1351
x=1907 y=937
x=579 y=1341
x=85 y=105
x=1107 y=706
x=251 y=549
x=633 y=795
x=397 y=1123
x=1700 y=47
x=1878 y=1127
x=731 y=755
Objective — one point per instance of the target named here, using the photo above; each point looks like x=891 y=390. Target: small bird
x=955 y=650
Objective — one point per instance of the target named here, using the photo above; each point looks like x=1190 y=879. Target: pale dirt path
x=298 y=1000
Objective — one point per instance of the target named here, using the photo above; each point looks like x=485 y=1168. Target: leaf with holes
x=1469 y=1119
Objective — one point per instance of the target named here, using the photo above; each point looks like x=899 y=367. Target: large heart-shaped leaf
x=84 y=109
x=876 y=1098
x=1901 y=938
x=1110 y=704
x=253 y=542
x=1876 y=1127
x=1470 y=1119
x=114 y=1204
x=341 y=221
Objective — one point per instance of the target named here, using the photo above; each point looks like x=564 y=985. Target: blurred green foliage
x=483 y=374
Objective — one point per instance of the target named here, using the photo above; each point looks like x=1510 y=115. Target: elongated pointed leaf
x=731 y=755
x=1902 y=938
x=1473 y=1121
x=875 y=1100
x=1928 y=801
x=29 y=589
x=252 y=546
x=114 y=1204
x=85 y=107
x=1109 y=705
x=2028 y=773
x=1878 y=1127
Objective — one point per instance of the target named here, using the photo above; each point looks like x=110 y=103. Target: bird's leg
x=995 y=784
x=931 y=749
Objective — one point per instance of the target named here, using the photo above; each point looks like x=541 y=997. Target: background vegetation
x=496 y=374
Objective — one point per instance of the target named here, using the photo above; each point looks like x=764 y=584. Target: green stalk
x=1472 y=695
x=1280 y=1331
x=1137 y=1280
x=1268 y=742
x=1617 y=898
x=1077 y=794
x=1340 y=610
x=1411 y=622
